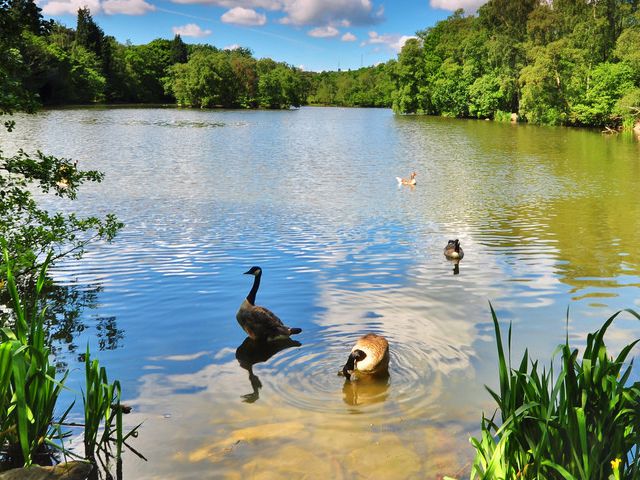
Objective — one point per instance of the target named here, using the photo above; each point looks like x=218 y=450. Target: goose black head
x=351 y=365
x=254 y=271
x=451 y=243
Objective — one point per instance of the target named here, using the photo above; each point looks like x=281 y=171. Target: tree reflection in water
x=251 y=352
x=65 y=321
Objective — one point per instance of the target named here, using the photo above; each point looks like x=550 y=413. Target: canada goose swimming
x=369 y=355
x=253 y=351
x=407 y=181
x=453 y=250
x=260 y=323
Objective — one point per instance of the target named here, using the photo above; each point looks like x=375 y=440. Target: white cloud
x=348 y=37
x=324 y=32
x=191 y=30
x=244 y=16
x=127 y=7
x=469 y=6
x=394 y=42
x=61 y=7
x=235 y=46
x=266 y=4
x=330 y=12
x=109 y=7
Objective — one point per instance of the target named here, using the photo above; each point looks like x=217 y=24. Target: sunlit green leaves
x=576 y=424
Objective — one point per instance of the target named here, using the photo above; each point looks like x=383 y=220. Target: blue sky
x=312 y=34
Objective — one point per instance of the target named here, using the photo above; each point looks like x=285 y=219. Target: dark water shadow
x=251 y=352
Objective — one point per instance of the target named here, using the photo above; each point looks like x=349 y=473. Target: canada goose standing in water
x=258 y=322
x=369 y=355
x=408 y=181
x=453 y=250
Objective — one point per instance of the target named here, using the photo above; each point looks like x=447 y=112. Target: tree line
x=556 y=62
x=60 y=65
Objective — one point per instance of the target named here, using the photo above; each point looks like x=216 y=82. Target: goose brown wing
x=266 y=324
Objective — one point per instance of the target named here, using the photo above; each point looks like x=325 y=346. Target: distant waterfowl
x=453 y=250
x=370 y=355
x=408 y=181
x=258 y=322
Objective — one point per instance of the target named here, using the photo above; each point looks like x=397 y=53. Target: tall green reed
x=29 y=389
x=102 y=412
x=582 y=423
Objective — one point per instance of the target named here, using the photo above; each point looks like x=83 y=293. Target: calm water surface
x=549 y=218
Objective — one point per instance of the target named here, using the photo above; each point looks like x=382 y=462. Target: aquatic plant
x=102 y=413
x=581 y=423
x=29 y=389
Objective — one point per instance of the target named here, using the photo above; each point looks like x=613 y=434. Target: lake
x=549 y=219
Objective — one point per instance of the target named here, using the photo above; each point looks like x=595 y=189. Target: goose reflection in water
x=456 y=266
x=252 y=351
x=366 y=390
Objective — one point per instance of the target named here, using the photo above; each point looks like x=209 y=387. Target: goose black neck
x=254 y=290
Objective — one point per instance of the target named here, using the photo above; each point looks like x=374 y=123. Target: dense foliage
x=572 y=62
x=581 y=421
x=54 y=64
x=28 y=230
x=365 y=87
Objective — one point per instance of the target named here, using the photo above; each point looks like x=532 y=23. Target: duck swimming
x=258 y=322
x=453 y=250
x=408 y=181
x=369 y=355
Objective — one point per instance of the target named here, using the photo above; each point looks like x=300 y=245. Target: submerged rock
x=67 y=471
x=387 y=457
x=254 y=434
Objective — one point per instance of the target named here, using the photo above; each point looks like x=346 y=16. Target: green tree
x=88 y=34
x=609 y=82
x=627 y=50
x=245 y=75
x=410 y=71
x=29 y=230
x=485 y=96
x=206 y=80
x=179 y=51
x=145 y=68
